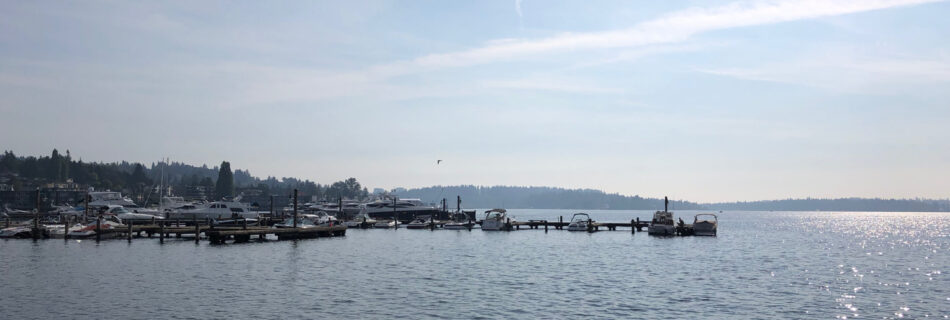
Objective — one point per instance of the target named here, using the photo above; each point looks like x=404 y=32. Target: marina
x=757 y=256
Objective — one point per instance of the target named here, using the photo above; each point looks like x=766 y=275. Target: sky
x=699 y=100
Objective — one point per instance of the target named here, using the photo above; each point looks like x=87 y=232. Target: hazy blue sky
x=701 y=100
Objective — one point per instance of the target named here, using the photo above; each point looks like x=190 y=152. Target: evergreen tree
x=225 y=185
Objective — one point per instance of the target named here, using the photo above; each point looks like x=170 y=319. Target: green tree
x=225 y=185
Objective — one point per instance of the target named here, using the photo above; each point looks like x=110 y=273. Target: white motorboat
x=214 y=210
x=362 y=220
x=580 y=222
x=303 y=221
x=496 y=219
x=125 y=215
x=105 y=198
x=705 y=224
x=89 y=230
x=419 y=223
x=384 y=224
x=460 y=221
x=58 y=231
x=21 y=231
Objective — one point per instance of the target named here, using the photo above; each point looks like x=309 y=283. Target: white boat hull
x=457 y=226
x=384 y=225
x=577 y=227
x=494 y=225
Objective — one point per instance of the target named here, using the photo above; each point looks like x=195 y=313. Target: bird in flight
x=438 y=162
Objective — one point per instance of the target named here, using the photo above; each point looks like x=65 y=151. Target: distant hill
x=537 y=198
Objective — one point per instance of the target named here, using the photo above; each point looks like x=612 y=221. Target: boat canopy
x=583 y=216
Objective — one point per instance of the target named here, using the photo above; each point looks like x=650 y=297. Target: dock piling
x=197 y=228
x=129 y=234
x=161 y=233
x=65 y=227
x=98 y=228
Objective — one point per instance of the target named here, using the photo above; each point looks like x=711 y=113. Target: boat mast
x=161 y=185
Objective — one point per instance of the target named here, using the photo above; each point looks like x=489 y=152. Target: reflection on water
x=762 y=265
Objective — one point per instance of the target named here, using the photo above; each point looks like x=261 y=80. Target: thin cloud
x=674 y=27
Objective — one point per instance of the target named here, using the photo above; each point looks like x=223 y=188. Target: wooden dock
x=219 y=236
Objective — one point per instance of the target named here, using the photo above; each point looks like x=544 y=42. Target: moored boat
x=705 y=224
x=662 y=223
x=89 y=230
x=580 y=222
x=418 y=223
x=496 y=220
x=384 y=224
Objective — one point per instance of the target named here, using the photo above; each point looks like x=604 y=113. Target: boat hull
x=661 y=230
x=494 y=225
x=703 y=228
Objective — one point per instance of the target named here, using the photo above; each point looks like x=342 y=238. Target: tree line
x=220 y=181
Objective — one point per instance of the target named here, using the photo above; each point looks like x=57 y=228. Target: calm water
x=762 y=265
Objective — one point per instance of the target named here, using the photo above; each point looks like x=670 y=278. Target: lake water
x=762 y=265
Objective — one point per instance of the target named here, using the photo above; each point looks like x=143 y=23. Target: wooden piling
x=197 y=228
x=65 y=227
x=98 y=228
x=161 y=233
x=244 y=224
x=545 y=226
x=130 y=230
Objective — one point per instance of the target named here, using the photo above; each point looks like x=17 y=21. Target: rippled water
x=762 y=265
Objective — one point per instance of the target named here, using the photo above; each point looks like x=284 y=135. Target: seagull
x=437 y=162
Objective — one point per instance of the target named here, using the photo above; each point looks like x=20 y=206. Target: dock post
x=507 y=224
x=633 y=226
x=130 y=230
x=210 y=224
x=560 y=222
x=98 y=228
x=161 y=234
x=65 y=227
x=197 y=229
x=244 y=224
x=178 y=222
x=432 y=219
x=590 y=226
x=545 y=226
